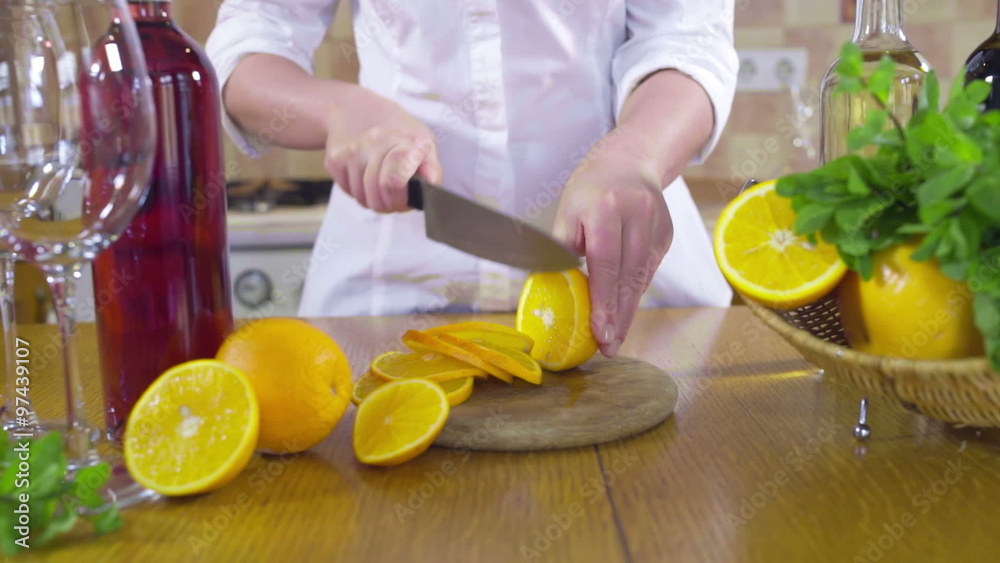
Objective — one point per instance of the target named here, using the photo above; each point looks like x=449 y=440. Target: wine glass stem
x=79 y=445
x=7 y=313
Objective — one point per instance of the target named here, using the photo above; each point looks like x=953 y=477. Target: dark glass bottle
x=162 y=290
x=984 y=64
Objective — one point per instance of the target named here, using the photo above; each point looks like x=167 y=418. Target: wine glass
x=83 y=112
x=31 y=155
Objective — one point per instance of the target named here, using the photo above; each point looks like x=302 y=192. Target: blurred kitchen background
x=277 y=201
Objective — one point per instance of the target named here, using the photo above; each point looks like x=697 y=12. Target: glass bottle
x=162 y=290
x=984 y=64
x=878 y=32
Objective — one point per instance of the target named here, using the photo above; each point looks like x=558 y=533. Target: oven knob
x=254 y=288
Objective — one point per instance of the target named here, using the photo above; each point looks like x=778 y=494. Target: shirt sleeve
x=292 y=29
x=694 y=37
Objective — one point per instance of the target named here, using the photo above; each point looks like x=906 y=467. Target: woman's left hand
x=613 y=212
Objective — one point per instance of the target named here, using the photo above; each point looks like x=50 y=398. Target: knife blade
x=485 y=232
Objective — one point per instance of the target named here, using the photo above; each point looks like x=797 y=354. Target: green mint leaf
x=935 y=212
x=851 y=63
x=880 y=83
x=7 y=533
x=88 y=484
x=865 y=135
x=944 y=184
x=930 y=94
x=865 y=267
x=978 y=91
x=48 y=465
x=957 y=271
x=108 y=521
x=812 y=218
x=987 y=317
x=848 y=85
x=929 y=247
x=984 y=196
x=856 y=184
x=63 y=521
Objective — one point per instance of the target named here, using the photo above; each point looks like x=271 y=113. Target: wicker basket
x=964 y=392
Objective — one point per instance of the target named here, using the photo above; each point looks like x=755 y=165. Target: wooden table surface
x=757 y=464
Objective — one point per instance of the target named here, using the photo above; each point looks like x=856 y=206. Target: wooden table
x=758 y=464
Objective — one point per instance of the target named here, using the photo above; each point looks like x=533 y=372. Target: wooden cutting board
x=602 y=400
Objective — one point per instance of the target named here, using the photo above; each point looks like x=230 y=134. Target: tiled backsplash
x=759 y=138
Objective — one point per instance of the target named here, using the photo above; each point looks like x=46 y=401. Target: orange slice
x=457 y=390
x=193 y=430
x=429 y=365
x=488 y=334
x=422 y=342
x=554 y=310
x=762 y=257
x=514 y=362
x=399 y=421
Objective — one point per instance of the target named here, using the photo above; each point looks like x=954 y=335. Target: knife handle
x=415 y=192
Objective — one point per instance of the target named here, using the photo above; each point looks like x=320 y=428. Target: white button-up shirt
x=517 y=92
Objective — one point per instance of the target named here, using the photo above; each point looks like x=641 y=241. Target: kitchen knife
x=486 y=233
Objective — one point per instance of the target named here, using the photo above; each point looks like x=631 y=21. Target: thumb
x=431 y=167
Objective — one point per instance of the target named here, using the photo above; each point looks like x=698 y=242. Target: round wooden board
x=602 y=400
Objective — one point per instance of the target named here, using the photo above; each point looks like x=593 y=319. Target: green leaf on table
x=64 y=520
x=48 y=465
x=881 y=81
x=88 y=483
x=108 y=521
x=935 y=212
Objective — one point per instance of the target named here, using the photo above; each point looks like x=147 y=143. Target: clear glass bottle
x=878 y=32
x=984 y=64
x=162 y=290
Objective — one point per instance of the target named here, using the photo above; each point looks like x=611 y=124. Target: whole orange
x=909 y=309
x=300 y=375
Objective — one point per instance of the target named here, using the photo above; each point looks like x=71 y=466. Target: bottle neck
x=151 y=10
x=998 y=18
x=880 y=26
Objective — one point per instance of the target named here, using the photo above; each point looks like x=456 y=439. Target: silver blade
x=484 y=232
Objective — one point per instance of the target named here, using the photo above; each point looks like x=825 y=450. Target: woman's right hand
x=374 y=167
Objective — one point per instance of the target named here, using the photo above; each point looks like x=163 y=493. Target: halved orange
x=430 y=365
x=554 y=310
x=421 y=342
x=514 y=362
x=399 y=421
x=762 y=257
x=457 y=390
x=193 y=430
x=488 y=334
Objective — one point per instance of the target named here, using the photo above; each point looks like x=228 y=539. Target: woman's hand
x=375 y=166
x=613 y=212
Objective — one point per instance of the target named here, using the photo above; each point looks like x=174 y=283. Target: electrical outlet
x=772 y=70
